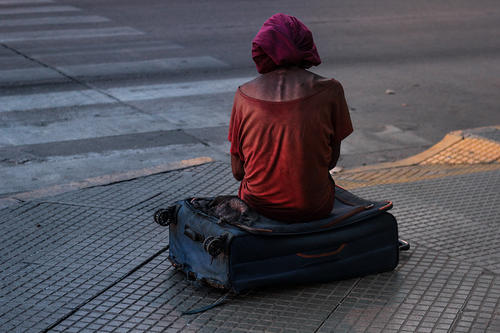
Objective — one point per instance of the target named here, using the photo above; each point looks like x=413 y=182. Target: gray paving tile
x=156 y=295
x=146 y=194
x=54 y=257
x=482 y=310
x=424 y=293
x=456 y=215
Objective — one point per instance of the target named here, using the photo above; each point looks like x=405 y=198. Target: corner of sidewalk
x=459 y=152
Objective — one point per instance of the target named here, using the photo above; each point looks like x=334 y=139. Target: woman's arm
x=237 y=167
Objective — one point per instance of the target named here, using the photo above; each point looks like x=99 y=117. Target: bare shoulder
x=251 y=86
x=334 y=85
x=321 y=80
x=252 y=82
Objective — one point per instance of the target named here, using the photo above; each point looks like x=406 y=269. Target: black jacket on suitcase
x=358 y=238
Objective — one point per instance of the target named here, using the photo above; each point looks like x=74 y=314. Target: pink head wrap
x=284 y=41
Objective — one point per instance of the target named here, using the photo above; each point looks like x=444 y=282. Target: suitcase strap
x=347 y=215
x=330 y=224
x=218 y=302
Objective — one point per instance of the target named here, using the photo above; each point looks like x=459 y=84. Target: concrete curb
x=101 y=180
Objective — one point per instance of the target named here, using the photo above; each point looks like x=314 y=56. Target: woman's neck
x=282 y=84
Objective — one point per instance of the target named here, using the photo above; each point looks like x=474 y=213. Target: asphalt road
x=91 y=88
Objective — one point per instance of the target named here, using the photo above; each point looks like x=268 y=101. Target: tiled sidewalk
x=93 y=260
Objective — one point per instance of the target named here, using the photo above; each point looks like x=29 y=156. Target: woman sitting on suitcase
x=286 y=126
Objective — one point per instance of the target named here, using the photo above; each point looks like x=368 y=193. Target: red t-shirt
x=286 y=149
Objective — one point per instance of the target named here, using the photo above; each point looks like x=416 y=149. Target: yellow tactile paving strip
x=468 y=151
x=456 y=154
x=407 y=174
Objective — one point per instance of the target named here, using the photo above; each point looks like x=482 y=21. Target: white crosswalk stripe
x=155 y=66
x=33 y=10
x=52 y=100
x=114 y=122
x=27 y=75
x=143 y=67
x=22 y=2
x=52 y=20
x=170 y=90
x=126 y=94
x=67 y=34
x=106 y=49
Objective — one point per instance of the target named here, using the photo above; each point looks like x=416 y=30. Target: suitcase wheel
x=215 y=245
x=164 y=217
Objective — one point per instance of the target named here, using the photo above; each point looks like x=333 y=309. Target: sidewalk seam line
x=70 y=204
x=338 y=304
x=90 y=299
x=143 y=201
x=460 y=312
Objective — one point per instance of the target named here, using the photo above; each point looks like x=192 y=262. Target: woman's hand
x=237 y=167
x=335 y=154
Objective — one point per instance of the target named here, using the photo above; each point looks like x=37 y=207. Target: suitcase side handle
x=212 y=245
x=322 y=255
x=190 y=233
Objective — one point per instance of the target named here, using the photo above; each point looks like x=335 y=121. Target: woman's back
x=284 y=139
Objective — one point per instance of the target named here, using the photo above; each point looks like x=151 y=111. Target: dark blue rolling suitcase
x=249 y=250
